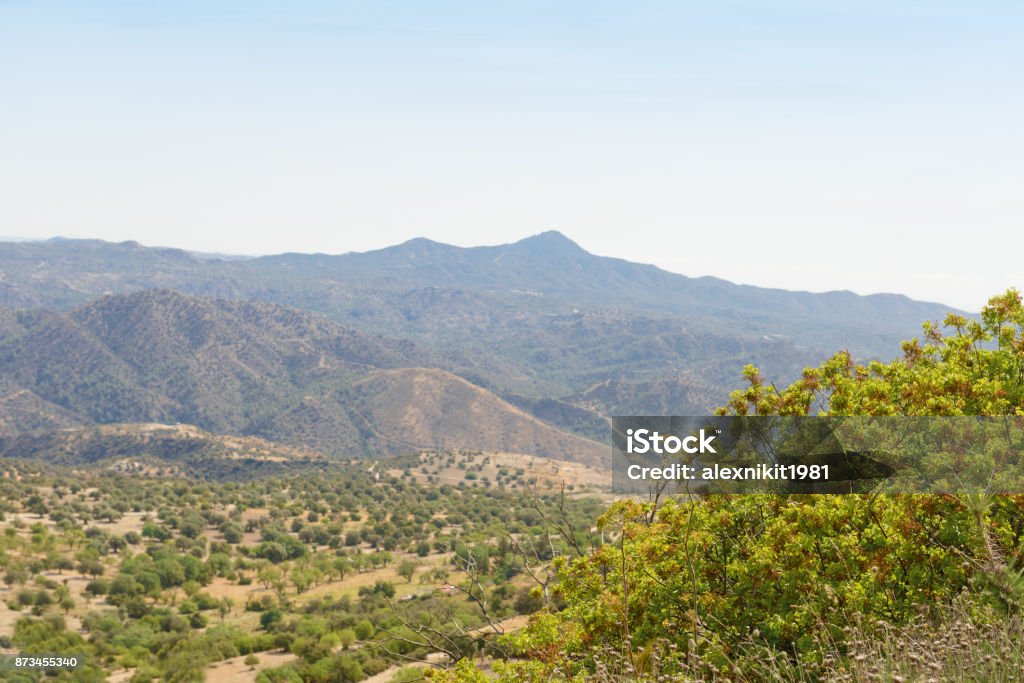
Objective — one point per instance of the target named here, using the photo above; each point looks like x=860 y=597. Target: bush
x=407 y=674
x=346 y=637
x=270 y=618
x=364 y=630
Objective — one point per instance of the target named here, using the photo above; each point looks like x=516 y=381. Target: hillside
x=250 y=368
x=417 y=408
x=22 y=410
x=158 y=449
x=540 y=319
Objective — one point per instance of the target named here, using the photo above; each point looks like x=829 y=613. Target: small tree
x=364 y=630
x=346 y=637
x=67 y=604
x=224 y=607
x=406 y=569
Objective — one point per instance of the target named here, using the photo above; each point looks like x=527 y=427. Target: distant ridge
x=566 y=335
x=550 y=245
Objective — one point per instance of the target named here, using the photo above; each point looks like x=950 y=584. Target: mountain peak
x=417 y=246
x=550 y=241
x=421 y=243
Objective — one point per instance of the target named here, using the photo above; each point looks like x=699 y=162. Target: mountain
x=63 y=273
x=563 y=335
x=548 y=267
x=255 y=369
x=551 y=265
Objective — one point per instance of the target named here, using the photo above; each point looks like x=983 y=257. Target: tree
x=36 y=505
x=977 y=370
x=364 y=630
x=699 y=582
x=232 y=533
x=303 y=578
x=270 y=617
x=406 y=569
x=251 y=660
x=64 y=600
x=93 y=568
x=171 y=572
x=341 y=566
x=224 y=607
x=269 y=576
x=346 y=637
x=63 y=563
x=18 y=574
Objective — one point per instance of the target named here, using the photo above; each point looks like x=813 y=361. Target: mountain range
x=524 y=347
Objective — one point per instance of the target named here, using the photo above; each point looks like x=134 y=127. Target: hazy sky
x=872 y=146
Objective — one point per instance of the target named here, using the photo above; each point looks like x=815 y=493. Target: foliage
x=977 y=370
x=151 y=596
x=718 y=587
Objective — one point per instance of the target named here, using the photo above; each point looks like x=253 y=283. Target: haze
x=871 y=146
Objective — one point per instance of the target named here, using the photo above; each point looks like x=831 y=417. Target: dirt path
x=235 y=669
x=387 y=674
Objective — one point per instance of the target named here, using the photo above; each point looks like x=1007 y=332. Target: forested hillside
x=252 y=368
x=539 y=318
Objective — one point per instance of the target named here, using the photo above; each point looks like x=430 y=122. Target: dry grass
x=547 y=473
x=966 y=643
x=418 y=408
x=236 y=670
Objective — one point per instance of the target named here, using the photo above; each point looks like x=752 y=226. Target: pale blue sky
x=872 y=146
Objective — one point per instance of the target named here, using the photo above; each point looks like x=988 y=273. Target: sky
x=803 y=144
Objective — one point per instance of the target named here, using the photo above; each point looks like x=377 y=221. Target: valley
x=390 y=465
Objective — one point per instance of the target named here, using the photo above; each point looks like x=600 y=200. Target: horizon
x=240 y=256
x=863 y=147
